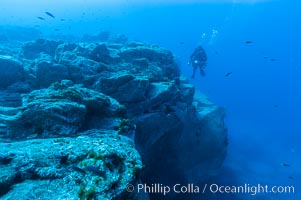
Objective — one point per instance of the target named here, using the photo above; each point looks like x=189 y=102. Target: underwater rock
x=188 y=144
x=60 y=109
x=151 y=62
x=31 y=50
x=152 y=128
x=126 y=88
x=69 y=168
x=161 y=97
x=179 y=133
x=205 y=137
x=10 y=99
x=46 y=118
x=81 y=69
x=47 y=72
x=101 y=54
x=69 y=47
x=153 y=54
x=66 y=57
x=8 y=49
x=162 y=93
x=141 y=62
x=85 y=71
x=187 y=93
x=11 y=70
x=161 y=64
x=93 y=51
x=77 y=49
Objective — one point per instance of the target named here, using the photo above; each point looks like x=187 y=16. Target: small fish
x=41 y=18
x=285 y=165
x=50 y=14
x=248 y=42
x=63 y=20
x=276 y=106
x=181 y=43
x=273 y=59
x=290 y=177
x=265 y=57
x=57 y=29
x=37 y=26
x=228 y=74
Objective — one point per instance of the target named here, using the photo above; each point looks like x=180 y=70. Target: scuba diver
x=198 y=60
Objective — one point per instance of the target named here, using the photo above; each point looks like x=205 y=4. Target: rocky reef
x=86 y=167
x=77 y=120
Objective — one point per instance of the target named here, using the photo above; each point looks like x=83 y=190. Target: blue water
x=262 y=97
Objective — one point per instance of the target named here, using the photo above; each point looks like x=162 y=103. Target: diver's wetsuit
x=198 y=59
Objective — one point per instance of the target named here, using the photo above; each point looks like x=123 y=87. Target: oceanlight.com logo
x=210 y=188
x=251 y=189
